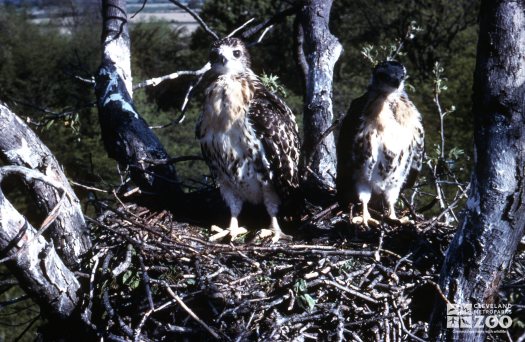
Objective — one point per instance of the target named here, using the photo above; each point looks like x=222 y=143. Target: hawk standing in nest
x=381 y=143
x=248 y=137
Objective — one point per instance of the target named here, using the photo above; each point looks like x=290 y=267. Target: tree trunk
x=494 y=222
x=126 y=135
x=31 y=258
x=20 y=146
x=318 y=51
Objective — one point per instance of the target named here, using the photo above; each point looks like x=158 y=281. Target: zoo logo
x=461 y=316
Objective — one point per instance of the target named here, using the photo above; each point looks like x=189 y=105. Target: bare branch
x=39 y=268
x=140 y=9
x=271 y=21
x=198 y=18
x=20 y=146
x=157 y=80
x=240 y=27
x=191 y=313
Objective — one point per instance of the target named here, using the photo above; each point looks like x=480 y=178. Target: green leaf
x=300 y=286
x=49 y=124
x=307 y=302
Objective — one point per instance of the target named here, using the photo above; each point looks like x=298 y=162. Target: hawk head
x=389 y=76
x=229 y=56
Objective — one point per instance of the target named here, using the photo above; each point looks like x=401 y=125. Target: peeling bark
x=318 y=51
x=494 y=222
x=32 y=259
x=20 y=146
x=126 y=135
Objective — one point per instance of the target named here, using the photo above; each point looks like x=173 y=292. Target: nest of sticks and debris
x=154 y=278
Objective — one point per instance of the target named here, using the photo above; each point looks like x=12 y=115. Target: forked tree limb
x=20 y=146
x=32 y=259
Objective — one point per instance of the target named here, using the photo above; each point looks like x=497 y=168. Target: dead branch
x=277 y=18
x=20 y=146
x=197 y=17
x=153 y=82
x=45 y=277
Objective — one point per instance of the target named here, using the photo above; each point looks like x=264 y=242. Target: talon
x=217 y=229
x=277 y=235
x=359 y=220
x=264 y=233
x=219 y=236
x=222 y=233
x=280 y=236
x=234 y=232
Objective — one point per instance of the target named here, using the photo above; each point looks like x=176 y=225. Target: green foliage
x=305 y=300
x=272 y=83
x=131 y=279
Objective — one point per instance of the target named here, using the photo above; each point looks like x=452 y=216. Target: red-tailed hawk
x=248 y=137
x=381 y=143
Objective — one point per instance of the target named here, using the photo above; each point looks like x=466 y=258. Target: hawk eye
x=237 y=53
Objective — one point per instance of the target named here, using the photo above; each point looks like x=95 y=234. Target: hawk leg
x=235 y=204
x=366 y=219
x=392 y=214
x=272 y=202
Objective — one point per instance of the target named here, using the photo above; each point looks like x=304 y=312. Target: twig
x=190 y=312
x=140 y=9
x=125 y=264
x=405 y=330
x=147 y=287
x=196 y=17
x=271 y=21
x=86 y=315
x=88 y=187
x=261 y=37
x=345 y=289
x=172 y=160
x=32 y=175
x=240 y=28
x=157 y=80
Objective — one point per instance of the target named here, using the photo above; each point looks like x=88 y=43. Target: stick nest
x=152 y=278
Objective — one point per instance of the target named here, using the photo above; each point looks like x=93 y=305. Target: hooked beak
x=391 y=81
x=216 y=57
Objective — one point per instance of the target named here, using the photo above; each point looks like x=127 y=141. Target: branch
x=198 y=18
x=191 y=313
x=20 y=146
x=272 y=21
x=31 y=176
x=39 y=269
x=157 y=80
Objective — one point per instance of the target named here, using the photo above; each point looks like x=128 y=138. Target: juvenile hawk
x=381 y=142
x=248 y=137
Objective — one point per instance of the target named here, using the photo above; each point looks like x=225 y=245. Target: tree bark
x=20 y=146
x=126 y=135
x=318 y=51
x=494 y=222
x=31 y=258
